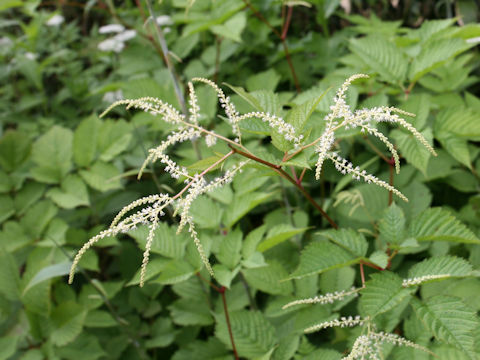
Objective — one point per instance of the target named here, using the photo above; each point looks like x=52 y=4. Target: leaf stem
x=227 y=318
x=282 y=173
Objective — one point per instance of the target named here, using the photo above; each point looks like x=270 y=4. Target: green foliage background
x=65 y=173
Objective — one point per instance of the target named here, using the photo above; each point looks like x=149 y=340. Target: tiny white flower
x=55 y=20
x=111 y=28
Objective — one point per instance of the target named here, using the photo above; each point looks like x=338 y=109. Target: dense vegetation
x=288 y=250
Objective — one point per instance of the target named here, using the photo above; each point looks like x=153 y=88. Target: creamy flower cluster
x=342 y=322
x=341 y=116
x=328 y=298
x=419 y=280
x=370 y=346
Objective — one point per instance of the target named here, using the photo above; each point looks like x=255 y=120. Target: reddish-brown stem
x=286 y=25
x=300 y=179
x=373 y=266
x=227 y=318
x=362 y=275
x=281 y=36
x=221 y=290
x=282 y=173
x=292 y=169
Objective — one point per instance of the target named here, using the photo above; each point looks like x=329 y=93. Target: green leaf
x=113 y=139
x=456 y=147
x=15 y=148
x=279 y=234
x=253 y=334
x=268 y=279
x=230 y=247
x=243 y=204
x=154 y=267
x=382 y=56
x=30 y=193
x=13 y=237
x=433 y=54
x=175 y=271
x=82 y=345
x=85 y=141
x=7 y=207
x=38 y=217
x=206 y=213
x=460 y=121
x=379 y=258
x=8 y=345
x=73 y=193
x=437 y=224
x=320 y=256
x=383 y=292
x=392 y=225
x=232 y=28
x=48 y=272
x=189 y=312
x=68 y=319
x=449 y=320
x=9 y=276
x=266 y=80
x=100 y=319
x=349 y=239
x=224 y=275
x=442 y=265
x=102 y=176
x=165 y=240
x=52 y=153
x=412 y=149
x=251 y=241
x=162 y=333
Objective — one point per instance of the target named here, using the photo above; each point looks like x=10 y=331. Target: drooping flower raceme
x=341 y=116
x=152 y=207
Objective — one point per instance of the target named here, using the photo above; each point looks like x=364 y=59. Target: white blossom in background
x=55 y=20
x=111 y=28
x=113 y=96
x=473 y=40
x=30 y=56
x=125 y=35
x=421 y=279
x=164 y=20
x=111 y=45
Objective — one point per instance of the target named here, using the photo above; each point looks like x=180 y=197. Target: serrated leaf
x=383 y=292
x=102 y=176
x=392 y=225
x=349 y=239
x=68 y=319
x=442 y=265
x=15 y=148
x=449 y=320
x=73 y=193
x=266 y=80
x=232 y=28
x=253 y=334
x=206 y=213
x=9 y=276
x=224 y=275
x=100 y=319
x=241 y=205
x=277 y=235
x=437 y=224
x=175 y=271
x=251 y=241
x=268 y=279
x=85 y=141
x=382 y=56
x=52 y=153
x=189 y=312
x=433 y=54
x=460 y=121
x=413 y=150
x=230 y=247
x=165 y=241
x=379 y=258
x=321 y=256
x=456 y=146
x=47 y=273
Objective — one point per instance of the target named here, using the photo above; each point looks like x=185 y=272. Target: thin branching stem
x=282 y=173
